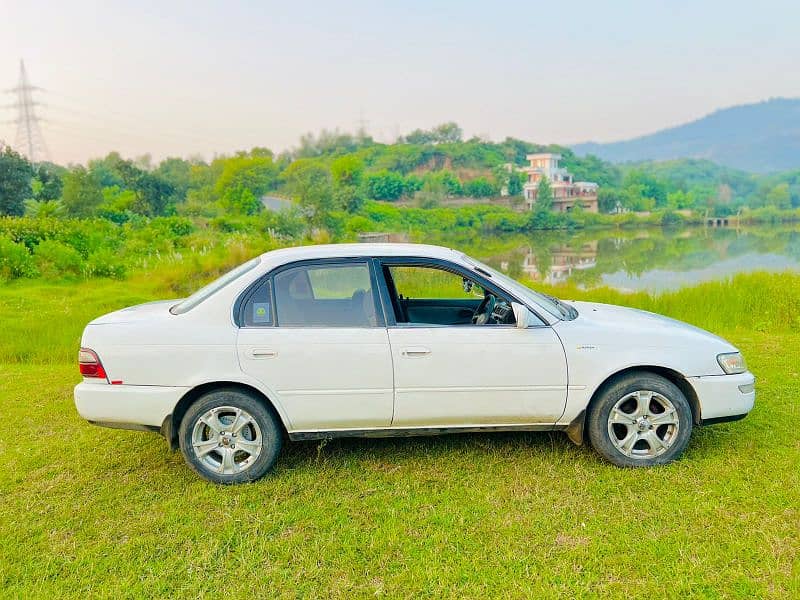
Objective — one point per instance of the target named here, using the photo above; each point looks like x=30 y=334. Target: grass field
x=92 y=512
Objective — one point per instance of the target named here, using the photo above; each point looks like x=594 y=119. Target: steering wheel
x=484 y=310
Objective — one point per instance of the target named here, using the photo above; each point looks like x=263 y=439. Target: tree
x=384 y=185
x=15 y=182
x=82 y=194
x=243 y=181
x=508 y=178
x=645 y=186
x=331 y=142
x=42 y=209
x=418 y=136
x=480 y=187
x=779 y=196
x=310 y=185
x=447 y=133
x=447 y=178
x=178 y=173
x=153 y=193
x=255 y=173
x=347 y=170
x=608 y=199
x=544 y=196
x=47 y=183
x=240 y=200
x=516 y=183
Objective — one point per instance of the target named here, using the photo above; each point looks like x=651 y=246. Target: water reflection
x=644 y=259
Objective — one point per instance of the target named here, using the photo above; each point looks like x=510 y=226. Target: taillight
x=90 y=364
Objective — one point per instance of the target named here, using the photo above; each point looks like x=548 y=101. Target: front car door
x=451 y=372
x=314 y=334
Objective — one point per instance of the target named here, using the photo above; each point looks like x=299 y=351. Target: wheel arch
x=171 y=424
x=575 y=430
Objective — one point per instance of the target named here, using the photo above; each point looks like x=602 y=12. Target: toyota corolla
x=320 y=342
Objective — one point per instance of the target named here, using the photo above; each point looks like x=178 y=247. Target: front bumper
x=126 y=406
x=724 y=397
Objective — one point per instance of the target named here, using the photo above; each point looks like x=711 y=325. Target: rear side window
x=329 y=295
x=258 y=310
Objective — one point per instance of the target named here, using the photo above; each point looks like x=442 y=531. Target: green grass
x=90 y=511
x=86 y=511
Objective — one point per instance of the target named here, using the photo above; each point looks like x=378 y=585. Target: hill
x=759 y=138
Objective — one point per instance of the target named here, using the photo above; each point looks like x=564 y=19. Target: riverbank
x=56 y=248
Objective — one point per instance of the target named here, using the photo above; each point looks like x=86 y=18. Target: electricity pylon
x=29 y=140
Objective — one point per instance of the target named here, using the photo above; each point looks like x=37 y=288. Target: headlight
x=732 y=362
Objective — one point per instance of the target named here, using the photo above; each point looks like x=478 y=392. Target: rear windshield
x=213 y=287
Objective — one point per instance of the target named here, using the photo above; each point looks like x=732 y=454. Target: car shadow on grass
x=545 y=450
x=413 y=449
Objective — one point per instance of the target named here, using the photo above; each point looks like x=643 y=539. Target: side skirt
x=296 y=436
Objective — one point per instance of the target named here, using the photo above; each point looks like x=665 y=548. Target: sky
x=180 y=78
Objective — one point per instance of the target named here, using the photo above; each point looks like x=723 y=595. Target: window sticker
x=261 y=313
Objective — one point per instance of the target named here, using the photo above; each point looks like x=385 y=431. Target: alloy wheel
x=643 y=424
x=227 y=440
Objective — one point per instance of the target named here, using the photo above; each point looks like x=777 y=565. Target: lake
x=639 y=259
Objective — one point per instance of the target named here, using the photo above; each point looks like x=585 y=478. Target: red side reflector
x=89 y=364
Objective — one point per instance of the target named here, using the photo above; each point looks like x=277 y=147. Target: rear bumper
x=724 y=397
x=126 y=406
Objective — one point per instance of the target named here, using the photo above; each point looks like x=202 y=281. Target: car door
x=468 y=375
x=315 y=336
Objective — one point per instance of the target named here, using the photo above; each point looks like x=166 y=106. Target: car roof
x=285 y=255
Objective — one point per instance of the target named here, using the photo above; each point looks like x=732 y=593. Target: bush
x=178 y=226
x=412 y=184
x=671 y=219
x=31 y=232
x=105 y=263
x=55 y=259
x=480 y=188
x=446 y=179
x=384 y=185
x=15 y=260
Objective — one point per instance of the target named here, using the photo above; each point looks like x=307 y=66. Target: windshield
x=552 y=305
x=213 y=287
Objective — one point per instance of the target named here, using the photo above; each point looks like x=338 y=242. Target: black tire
x=264 y=426
x=646 y=450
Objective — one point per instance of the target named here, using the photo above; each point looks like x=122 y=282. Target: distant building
x=566 y=193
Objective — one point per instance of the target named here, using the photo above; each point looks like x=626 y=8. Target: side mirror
x=522 y=315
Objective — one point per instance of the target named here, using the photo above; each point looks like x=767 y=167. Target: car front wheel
x=640 y=420
x=230 y=436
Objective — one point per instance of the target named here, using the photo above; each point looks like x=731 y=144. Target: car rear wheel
x=230 y=436
x=640 y=420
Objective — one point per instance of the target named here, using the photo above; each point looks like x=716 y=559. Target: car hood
x=623 y=321
x=140 y=312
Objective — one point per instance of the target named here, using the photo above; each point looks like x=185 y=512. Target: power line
x=29 y=139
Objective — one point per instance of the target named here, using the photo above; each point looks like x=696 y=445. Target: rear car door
x=314 y=334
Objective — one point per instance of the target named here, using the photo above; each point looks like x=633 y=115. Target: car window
x=434 y=296
x=432 y=283
x=329 y=295
x=258 y=309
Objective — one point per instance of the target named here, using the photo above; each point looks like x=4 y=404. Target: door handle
x=263 y=353
x=415 y=351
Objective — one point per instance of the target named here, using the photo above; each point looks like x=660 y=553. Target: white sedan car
x=393 y=340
